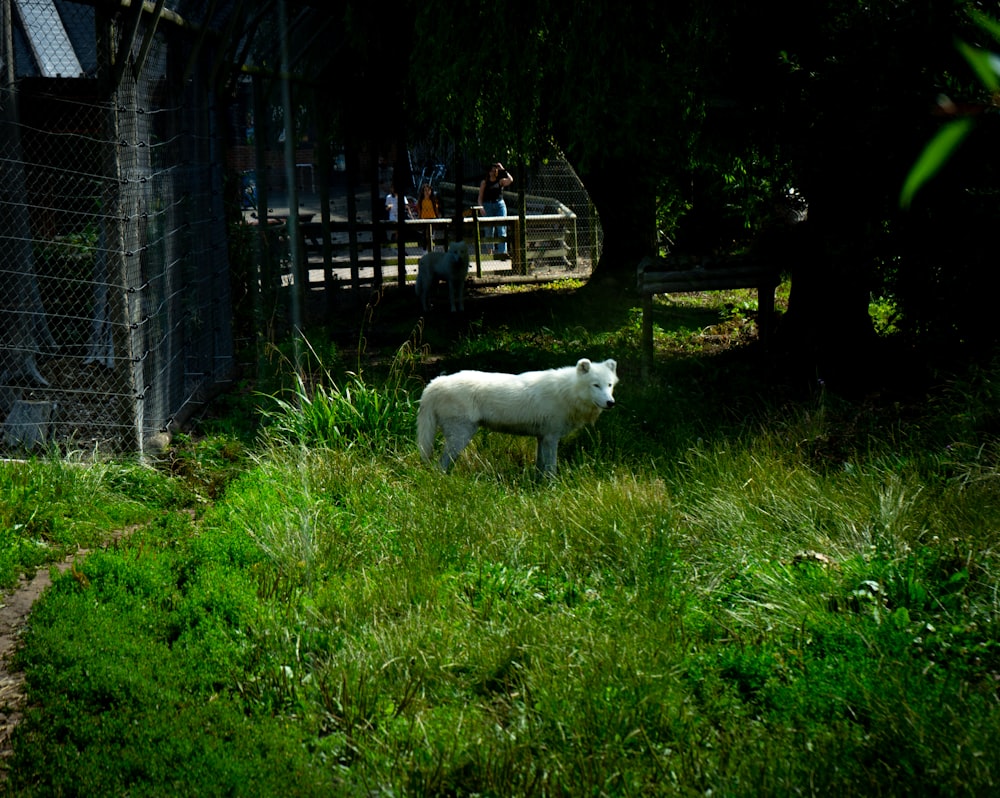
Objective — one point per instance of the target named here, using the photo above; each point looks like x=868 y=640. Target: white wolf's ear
x=582 y=366
x=611 y=365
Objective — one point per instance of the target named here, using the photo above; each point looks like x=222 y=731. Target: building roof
x=53 y=38
x=57 y=38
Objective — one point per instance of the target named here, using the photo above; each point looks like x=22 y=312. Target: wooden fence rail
x=350 y=247
x=664 y=276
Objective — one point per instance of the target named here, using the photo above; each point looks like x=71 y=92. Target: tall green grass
x=792 y=599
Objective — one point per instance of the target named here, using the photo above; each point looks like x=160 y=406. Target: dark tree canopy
x=611 y=83
x=691 y=116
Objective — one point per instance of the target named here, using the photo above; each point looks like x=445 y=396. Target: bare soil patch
x=14 y=612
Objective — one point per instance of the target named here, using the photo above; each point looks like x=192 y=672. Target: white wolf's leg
x=545 y=459
x=457 y=435
x=427 y=427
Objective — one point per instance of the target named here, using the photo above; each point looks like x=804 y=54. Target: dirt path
x=15 y=608
x=14 y=611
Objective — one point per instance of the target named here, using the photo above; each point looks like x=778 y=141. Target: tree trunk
x=828 y=329
x=626 y=205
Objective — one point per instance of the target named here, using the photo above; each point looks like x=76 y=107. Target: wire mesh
x=555 y=177
x=114 y=297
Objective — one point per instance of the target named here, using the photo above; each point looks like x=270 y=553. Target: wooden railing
x=671 y=276
x=345 y=250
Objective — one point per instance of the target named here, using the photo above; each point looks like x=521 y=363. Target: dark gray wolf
x=547 y=405
x=452 y=267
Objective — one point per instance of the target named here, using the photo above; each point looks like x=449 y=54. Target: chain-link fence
x=114 y=297
x=554 y=177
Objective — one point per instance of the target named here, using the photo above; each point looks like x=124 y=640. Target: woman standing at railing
x=491 y=199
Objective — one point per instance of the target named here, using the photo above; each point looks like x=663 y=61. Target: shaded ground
x=393 y=317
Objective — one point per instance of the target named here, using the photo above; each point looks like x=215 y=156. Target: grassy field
x=731 y=589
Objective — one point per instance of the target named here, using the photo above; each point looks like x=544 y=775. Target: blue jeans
x=498 y=208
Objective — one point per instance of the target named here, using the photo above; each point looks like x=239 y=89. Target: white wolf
x=451 y=266
x=547 y=405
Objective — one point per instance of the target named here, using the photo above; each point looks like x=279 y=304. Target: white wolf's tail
x=426 y=428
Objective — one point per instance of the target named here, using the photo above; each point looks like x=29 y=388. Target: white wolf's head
x=459 y=250
x=601 y=379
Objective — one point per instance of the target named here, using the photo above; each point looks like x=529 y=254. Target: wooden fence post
x=474 y=211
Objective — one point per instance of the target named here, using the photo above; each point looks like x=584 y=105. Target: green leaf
x=985 y=64
x=934 y=156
